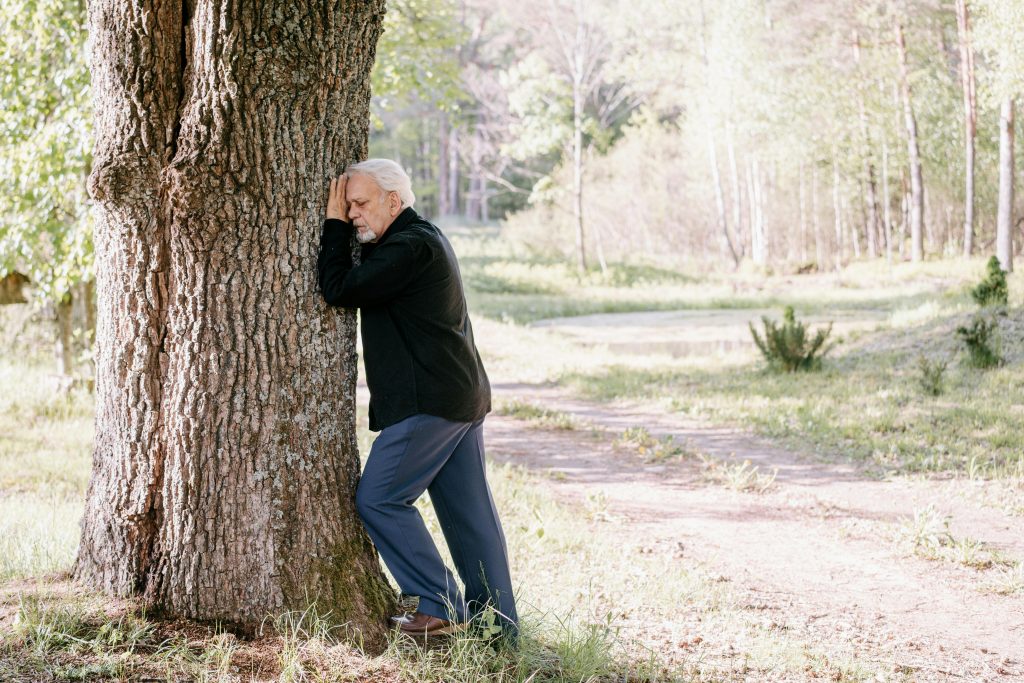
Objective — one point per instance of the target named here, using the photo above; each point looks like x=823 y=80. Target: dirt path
x=815 y=552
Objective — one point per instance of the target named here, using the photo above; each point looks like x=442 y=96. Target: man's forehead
x=359 y=185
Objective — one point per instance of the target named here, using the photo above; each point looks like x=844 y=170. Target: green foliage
x=982 y=341
x=788 y=347
x=932 y=375
x=45 y=144
x=992 y=290
x=417 y=54
x=998 y=26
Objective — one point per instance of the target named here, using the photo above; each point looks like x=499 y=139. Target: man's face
x=370 y=209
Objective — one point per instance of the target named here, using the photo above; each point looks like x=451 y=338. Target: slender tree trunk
x=716 y=176
x=904 y=213
x=871 y=220
x=758 y=249
x=453 y=170
x=225 y=459
x=886 y=204
x=803 y=214
x=443 y=159
x=577 y=138
x=914 y=154
x=963 y=21
x=737 y=192
x=854 y=237
x=837 y=210
x=1004 y=216
x=819 y=243
x=63 y=351
x=723 y=222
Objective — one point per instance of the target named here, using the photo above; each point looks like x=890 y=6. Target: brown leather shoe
x=419 y=624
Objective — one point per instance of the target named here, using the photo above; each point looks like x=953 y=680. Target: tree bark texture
x=225 y=459
x=1004 y=214
x=914 y=154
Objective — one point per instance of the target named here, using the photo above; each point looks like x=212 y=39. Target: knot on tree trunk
x=121 y=179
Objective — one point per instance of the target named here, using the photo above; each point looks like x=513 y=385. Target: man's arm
x=378 y=279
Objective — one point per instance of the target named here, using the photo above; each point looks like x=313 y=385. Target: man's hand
x=337 y=207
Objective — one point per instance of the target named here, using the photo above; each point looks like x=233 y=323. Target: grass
x=927 y=535
x=866 y=404
x=514 y=287
x=589 y=592
x=739 y=476
x=638 y=440
x=537 y=415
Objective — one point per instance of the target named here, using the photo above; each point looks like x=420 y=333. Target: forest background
x=760 y=134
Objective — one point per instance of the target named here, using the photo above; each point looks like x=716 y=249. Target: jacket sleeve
x=378 y=279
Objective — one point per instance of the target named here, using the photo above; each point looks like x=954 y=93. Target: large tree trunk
x=963 y=22
x=225 y=459
x=914 y=154
x=1004 y=216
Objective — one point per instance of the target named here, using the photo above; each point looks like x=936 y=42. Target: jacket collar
x=402 y=221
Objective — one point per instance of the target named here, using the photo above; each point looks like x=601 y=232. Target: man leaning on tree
x=428 y=397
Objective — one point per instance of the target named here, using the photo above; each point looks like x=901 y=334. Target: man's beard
x=366 y=235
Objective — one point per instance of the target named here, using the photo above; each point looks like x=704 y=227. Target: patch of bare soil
x=815 y=553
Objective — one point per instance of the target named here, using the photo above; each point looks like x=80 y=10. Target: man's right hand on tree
x=337 y=207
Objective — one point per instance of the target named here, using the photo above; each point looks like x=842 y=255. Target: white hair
x=389 y=176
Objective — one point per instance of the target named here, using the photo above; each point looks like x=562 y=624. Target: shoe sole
x=449 y=630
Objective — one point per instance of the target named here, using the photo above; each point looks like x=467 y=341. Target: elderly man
x=428 y=397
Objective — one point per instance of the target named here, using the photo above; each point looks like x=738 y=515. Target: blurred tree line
x=787 y=135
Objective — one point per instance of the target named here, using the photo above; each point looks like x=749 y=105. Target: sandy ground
x=815 y=553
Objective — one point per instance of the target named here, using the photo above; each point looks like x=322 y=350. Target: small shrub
x=641 y=441
x=789 y=346
x=981 y=339
x=932 y=376
x=992 y=291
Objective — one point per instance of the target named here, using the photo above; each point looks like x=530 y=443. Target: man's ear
x=394 y=203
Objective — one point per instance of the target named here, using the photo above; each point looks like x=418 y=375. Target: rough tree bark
x=1004 y=215
x=225 y=458
x=914 y=154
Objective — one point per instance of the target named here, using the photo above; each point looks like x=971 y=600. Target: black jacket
x=418 y=345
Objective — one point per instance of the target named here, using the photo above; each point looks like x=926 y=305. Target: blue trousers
x=428 y=453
